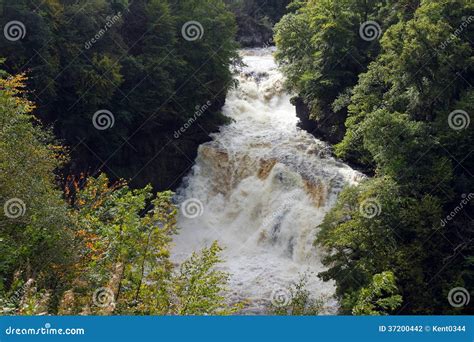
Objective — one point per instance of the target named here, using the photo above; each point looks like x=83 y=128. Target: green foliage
x=363 y=242
x=399 y=125
x=128 y=57
x=300 y=301
x=321 y=53
x=395 y=95
x=117 y=241
x=35 y=231
x=256 y=18
x=199 y=286
x=59 y=256
x=406 y=151
x=380 y=298
x=409 y=76
x=126 y=249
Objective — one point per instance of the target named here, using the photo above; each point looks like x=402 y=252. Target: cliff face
x=175 y=156
x=160 y=155
x=255 y=20
x=330 y=128
x=253 y=34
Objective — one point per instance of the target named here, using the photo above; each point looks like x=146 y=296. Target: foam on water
x=265 y=186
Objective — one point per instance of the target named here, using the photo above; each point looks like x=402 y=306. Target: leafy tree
x=399 y=124
x=35 y=231
x=83 y=58
x=105 y=250
x=126 y=254
x=256 y=18
x=199 y=286
x=374 y=227
x=298 y=300
x=322 y=53
x=380 y=297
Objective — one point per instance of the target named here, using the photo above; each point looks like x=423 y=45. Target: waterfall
x=260 y=188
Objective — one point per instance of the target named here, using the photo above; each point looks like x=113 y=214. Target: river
x=260 y=188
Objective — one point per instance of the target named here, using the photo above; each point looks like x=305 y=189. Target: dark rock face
x=158 y=155
x=329 y=128
x=302 y=112
x=252 y=34
x=175 y=154
x=256 y=19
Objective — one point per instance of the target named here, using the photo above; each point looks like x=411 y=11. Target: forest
x=94 y=96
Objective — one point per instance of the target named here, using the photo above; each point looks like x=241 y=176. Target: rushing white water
x=265 y=186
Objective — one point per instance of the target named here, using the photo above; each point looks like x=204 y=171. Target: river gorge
x=260 y=188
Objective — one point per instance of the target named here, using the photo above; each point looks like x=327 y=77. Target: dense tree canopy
x=102 y=248
x=406 y=98
x=388 y=81
x=134 y=60
x=35 y=231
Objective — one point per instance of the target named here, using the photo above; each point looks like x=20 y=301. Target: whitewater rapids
x=260 y=188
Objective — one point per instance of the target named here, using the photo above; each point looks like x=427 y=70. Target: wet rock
x=330 y=128
x=316 y=191
x=266 y=167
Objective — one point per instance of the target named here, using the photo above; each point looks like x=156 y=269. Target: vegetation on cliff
x=390 y=81
x=399 y=98
x=133 y=61
x=101 y=248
